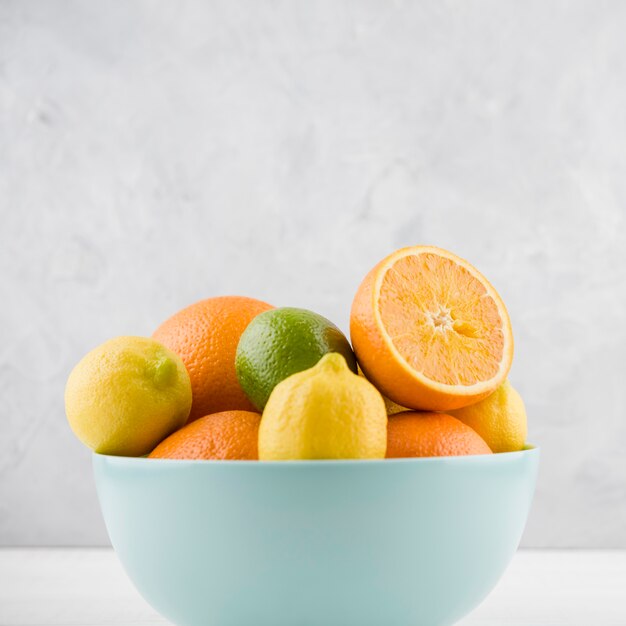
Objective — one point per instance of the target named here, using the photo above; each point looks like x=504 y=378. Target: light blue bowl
x=406 y=542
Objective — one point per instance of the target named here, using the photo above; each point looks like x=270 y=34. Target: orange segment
x=435 y=309
x=430 y=331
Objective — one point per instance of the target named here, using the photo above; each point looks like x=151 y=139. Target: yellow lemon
x=126 y=395
x=325 y=412
x=500 y=419
x=390 y=406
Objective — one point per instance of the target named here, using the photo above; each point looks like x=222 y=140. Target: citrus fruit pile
x=234 y=378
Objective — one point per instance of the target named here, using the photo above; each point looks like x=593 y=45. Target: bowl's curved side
x=416 y=541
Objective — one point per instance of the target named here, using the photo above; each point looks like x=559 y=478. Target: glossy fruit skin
x=415 y=434
x=325 y=412
x=126 y=395
x=387 y=370
x=205 y=336
x=282 y=342
x=500 y=419
x=225 y=436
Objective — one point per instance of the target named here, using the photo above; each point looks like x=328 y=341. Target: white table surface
x=88 y=587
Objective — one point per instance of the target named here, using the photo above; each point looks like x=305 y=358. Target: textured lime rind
x=282 y=342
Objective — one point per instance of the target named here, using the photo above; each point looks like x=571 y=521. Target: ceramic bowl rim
x=484 y=459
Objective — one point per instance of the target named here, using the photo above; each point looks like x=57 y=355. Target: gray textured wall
x=155 y=153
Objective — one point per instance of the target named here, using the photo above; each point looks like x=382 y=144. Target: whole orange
x=205 y=336
x=413 y=433
x=229 y=435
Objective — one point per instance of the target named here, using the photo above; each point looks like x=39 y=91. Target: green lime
x=282 y=342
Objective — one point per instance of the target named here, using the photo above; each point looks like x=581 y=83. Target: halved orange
x=430 y=331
